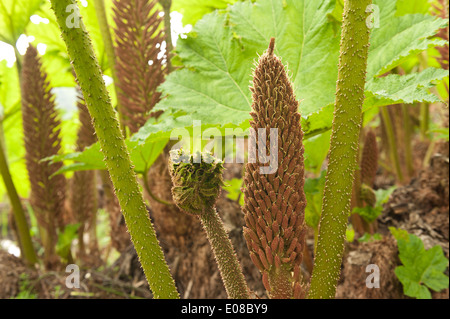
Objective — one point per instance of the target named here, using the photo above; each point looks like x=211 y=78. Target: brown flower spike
x=369 y=159
x=83 y=199
x=138 y=37
x=275 y=203
x=41 y=136
x=441 y=8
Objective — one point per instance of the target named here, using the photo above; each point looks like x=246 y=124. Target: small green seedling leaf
x=371 y=213
x=368 y=238
x=350 y=233
x=65 y=239
x=422 y=269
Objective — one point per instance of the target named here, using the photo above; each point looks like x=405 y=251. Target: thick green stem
x=424 y=107
x=408 y=140
x=166 y=4
x=100 y=12
x=226 y=258
x=23 y=231
x=424 y=120
x=149 y=191
x=116 y=155
x=18 y=62
x=343 y=150
x=392 y=142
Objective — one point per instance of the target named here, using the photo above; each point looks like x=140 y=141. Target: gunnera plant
x=275 y=203
x=139 y=67
x=197 y=181
x=42 y=139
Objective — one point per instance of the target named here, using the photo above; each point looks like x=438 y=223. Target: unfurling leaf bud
x=197 y=180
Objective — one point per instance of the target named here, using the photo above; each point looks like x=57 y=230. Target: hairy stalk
x=150 y=193
x=100 y=12
x=197 y=181
x=166 y=4
x=26 y=246
x=18 y=57
x=115 y=152
x=139 y=67
x=275 y=200
x=408 y=140
x=227 y=261
x=343 y=150
x=42 y=139
x=393 y=152
x=424 y=120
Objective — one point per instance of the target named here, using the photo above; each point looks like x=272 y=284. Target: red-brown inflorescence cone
x=275 y=203
x=369 y=159
x=41 y=136
x=83 y=199
x=139 y=70
x=441 y=7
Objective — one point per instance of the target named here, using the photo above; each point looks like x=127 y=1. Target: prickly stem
x=226 y=258
x=344 y=149
x=26 y=245
x=115 y=151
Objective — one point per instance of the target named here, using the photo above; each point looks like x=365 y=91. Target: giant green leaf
x=56 y=60
x=395 y=89
x=11 y=126
x=194 y=10
x=142 y=156
x=398 y=38
x=9 y=89
x=14 y=18
x=412 y=6
x=219 y=54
